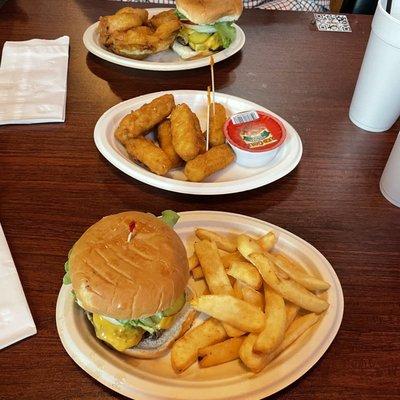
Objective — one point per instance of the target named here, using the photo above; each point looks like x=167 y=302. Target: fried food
x=130 y=34
x=145 y=151
x=251 y=295
x=222 y=242
x=245 y=272
x=275 y=323
x=229 y=309
x=142 y=121
x=287 y=288
x=220 y=353
x=122 y=20
x=217 y=121
x=213 y=160
x=214 y=272
x=187 y=137
x=184 y=351
x=162 y=18
x=306 y=280
x=256 y=362
x=165 y=141
x=267 y=242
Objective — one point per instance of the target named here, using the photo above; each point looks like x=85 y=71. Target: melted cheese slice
x=118 y=336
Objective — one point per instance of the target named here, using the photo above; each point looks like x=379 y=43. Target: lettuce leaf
x=148 y=324
x=226 y=32
x=180 y=15
x=66 y=278
x=170 y=217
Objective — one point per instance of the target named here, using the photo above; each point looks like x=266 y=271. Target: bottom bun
x=154 y=348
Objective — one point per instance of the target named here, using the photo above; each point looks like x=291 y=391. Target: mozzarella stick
x=187 y=138
x=217 y=122
x=213 y=160
x=165 y=141
x=145 y=151
x=140 y=122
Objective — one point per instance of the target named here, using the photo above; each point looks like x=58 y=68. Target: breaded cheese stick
x=145 y=151
x=186 y=133
x=143 y=120
x=217 y=122
x=165 y=141
x=213 y=160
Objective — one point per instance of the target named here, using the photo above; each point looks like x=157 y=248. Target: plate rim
x=194 y=188
x=256 y=394
x=93 y=47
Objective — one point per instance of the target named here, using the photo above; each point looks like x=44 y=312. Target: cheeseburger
x=129 y=273
x=206 y=26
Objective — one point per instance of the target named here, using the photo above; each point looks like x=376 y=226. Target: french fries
x=220 y=353
x=288 y=289
x=215 y=275
x=222 y=242
x=213 y=269
x=306 y=280
x=256 y=362
x=253 y=298
x=268 y=241
x=229 y=309
x=197 y=273
x=292 y=310
x=246 y=246
x=245 y=272
x=229 y=258
x=184 y=351
x=193 y=261
x=275 y=323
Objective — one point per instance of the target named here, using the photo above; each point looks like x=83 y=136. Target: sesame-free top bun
x=128 y=280
x=203 y=12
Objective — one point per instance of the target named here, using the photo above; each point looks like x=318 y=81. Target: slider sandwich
x=206 y=26
x=129 y=274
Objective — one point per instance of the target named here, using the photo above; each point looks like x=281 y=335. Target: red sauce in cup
x=254 y=131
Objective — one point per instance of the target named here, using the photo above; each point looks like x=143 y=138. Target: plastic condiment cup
x=255 y=137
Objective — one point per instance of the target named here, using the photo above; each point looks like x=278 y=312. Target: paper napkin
x=16 y=321
x=33 y=81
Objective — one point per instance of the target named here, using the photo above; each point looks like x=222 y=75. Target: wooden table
x=54 y=184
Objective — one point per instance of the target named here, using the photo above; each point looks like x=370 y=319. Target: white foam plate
x=165 y=61
x=155 y=379
x=232 y=179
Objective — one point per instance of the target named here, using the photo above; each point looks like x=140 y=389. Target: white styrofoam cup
x=376 y=100
x=390 y=180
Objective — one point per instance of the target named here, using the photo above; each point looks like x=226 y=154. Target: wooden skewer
x=212 y=82
x=208 y=118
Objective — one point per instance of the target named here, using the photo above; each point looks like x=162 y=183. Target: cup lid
x=254 y=131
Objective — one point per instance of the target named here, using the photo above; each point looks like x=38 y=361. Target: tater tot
x=186 y=138
x=145 y=151
x=213 y=160
x=217 y=121
x=165 y=141
x=142 y=121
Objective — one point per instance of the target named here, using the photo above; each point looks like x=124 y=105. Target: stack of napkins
x=16 y=321
x=33 y=81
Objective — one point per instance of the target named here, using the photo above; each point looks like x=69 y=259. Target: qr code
x=332 y=22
